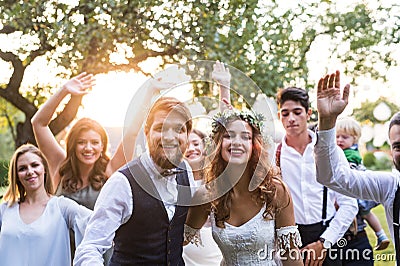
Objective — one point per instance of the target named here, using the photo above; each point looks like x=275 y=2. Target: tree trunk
x=24 y=133
x=63 y=119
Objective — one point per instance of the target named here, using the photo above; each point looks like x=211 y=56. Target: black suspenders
x=325 y=196
x=324 y=204
x=396 y=207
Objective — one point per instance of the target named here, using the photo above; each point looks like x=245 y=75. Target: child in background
x=348 y=132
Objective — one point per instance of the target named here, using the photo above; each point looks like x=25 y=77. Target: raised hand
x=158 y=84
x=221 y=74
x=80 y=84
x=330 y=101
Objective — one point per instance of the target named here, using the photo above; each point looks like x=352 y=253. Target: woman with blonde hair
x=34 y=224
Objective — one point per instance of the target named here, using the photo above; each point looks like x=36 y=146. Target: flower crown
x=220 y=120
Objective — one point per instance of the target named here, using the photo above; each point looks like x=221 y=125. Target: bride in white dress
x=253 y=222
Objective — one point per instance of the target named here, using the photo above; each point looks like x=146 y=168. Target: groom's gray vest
x=148 y=237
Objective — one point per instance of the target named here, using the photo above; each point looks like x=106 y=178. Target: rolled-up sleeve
x=113 y=208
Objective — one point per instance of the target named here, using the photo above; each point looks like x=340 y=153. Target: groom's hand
x=330 y=101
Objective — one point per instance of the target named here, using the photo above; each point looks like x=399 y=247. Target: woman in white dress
x=253 y=222
x=34 y=225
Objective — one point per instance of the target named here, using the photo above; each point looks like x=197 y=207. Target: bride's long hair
x=264 y=174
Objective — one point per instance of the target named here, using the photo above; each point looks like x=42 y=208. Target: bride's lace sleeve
x=192 y=235
x=287 y=235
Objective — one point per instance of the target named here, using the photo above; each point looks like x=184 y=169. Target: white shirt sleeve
x=113 y=208
x=334 y=171
x=348 y=209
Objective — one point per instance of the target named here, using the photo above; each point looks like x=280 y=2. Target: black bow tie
x=172 y=171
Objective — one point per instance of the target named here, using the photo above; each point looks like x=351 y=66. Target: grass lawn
x=384 y=257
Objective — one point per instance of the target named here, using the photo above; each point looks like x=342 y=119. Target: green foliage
x=3 y=173
x=265 y=40
x=365 y=115
x=9 y=117
x=6 y=146
x=369 y=159
x=381 y=163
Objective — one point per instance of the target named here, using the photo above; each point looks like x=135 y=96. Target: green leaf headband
x=220 y=120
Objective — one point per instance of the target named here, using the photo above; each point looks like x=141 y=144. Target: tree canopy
x=365 y=113
x=268 y=41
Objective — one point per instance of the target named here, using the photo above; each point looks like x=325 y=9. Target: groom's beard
x=163 y=160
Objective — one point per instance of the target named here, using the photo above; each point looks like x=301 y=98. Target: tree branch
x=7 y=29
x=19 y=69
x=19 y=102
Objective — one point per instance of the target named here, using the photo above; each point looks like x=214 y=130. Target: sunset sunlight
x=109 y=99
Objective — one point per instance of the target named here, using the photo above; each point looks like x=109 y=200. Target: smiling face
x=167 y=139
x=194 y=153
x=30 y=171
x=294 y=118
x=88 y=147
x=237 y=142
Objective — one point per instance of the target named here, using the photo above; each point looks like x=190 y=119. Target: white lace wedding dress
x=256 y=242
x=252 y=243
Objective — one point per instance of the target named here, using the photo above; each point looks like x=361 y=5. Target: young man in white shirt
x=320 y=224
